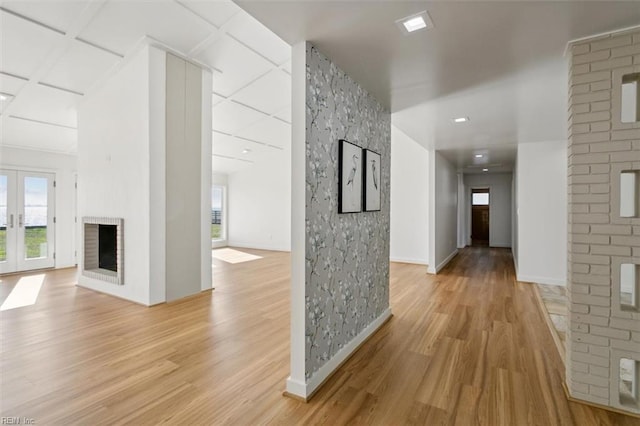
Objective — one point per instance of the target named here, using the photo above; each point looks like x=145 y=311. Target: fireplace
x=103 y=249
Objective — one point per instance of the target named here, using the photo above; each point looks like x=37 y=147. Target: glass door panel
x=4 y=181
x=35 y=217
x=35 y=220
x=26 y=221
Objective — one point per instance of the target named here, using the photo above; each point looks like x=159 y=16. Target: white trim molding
x=259 y=246
x=306 y=390
x=409 y=260
x=500 y=245
x=90 y=264
x=541 y=280
x=442 y=264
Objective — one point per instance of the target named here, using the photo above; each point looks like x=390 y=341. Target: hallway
x=468 y=346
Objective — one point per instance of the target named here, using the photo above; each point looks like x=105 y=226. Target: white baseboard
x=296 y=388
x=501 y=245
x=219 y=244
x=442 y=264
x=271 y=247
x=409 y=260
x=306 y=390
x=515 y=261
x=541 y=280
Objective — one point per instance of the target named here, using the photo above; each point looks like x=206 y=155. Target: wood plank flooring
x=466 y=347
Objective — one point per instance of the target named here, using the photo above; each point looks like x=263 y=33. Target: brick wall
x=600 y=147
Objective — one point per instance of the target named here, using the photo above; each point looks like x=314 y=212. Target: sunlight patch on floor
x=25 y=293
x=233 y=256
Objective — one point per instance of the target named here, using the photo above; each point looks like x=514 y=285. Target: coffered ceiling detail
x=53 y=53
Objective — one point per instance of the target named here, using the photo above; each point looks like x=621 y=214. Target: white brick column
x=600 y=147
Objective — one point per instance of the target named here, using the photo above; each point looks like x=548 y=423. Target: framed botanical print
x=371 y=181
x=350 y=178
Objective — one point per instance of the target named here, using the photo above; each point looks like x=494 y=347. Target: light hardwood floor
x=465 y=347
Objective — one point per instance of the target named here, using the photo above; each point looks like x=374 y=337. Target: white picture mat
x=372 y=181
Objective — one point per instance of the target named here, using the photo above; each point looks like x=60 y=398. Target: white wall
x=499 y=206
x=462 y=213
x=114 y=171
x=125 y=168
x=409 y=199
x=542 y=212
x=514 y=216
x=259 y=204
x=220 y=179
x=186 y=164
x=206 y=174
x=158 y=172
x=296 y=382
x=443 y=212
x=64 y=166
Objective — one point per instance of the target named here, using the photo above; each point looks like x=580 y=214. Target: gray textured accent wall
x=347 y=255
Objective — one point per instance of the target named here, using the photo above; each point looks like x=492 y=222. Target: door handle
x=11 y=220
x=20 y=221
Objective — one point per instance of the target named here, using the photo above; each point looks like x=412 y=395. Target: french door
x=26 y=220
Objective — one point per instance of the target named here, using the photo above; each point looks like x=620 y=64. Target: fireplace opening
x=107 y=247
x=103 y=249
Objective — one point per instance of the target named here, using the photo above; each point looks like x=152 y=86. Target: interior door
x=480 y=216
x=26 y=220
x=480 y=223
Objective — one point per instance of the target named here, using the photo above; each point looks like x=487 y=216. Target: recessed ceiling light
x=246 y=151
x=479 y=155
x=5 y=96
x=485 y=170
x=415 y=22
x=461 y=120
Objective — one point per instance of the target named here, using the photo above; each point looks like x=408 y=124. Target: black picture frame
x=371 y=181
x=350 y=177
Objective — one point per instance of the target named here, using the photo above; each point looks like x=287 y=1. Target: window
x=629 y=376
x=217 y=213
x=480 y=199
x=629 y=198
x=630 y=111
x=629 y=278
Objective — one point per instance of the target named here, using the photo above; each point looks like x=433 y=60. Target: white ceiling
x=497 y=159
x=500 y=63
x=53 y=53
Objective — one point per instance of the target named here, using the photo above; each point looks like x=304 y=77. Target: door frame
x=76 y=227
x=21 y=264
x=10 y=264
x=25 y=264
